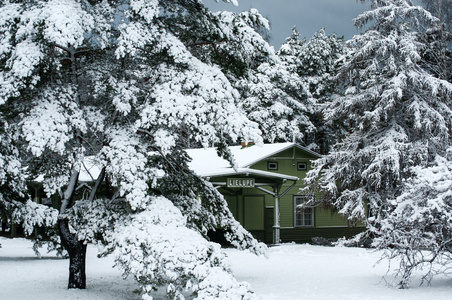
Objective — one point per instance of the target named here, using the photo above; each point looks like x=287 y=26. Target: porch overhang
x=262 y=179
x=247 y=172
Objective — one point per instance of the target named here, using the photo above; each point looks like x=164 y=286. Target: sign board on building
x=240 y=182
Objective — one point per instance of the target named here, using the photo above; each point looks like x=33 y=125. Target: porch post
x=277 y=226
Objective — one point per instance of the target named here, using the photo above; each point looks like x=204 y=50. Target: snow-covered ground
x=291 y=272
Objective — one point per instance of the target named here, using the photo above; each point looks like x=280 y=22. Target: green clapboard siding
x=326 y=217
x=287 y=164
x=286 y=208
x=232 y=204
x=254 y=212
x=254 y=208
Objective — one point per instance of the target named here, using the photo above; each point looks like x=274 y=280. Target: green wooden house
x=263 y=192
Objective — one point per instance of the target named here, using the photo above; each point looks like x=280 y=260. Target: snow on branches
x=276 y=99
x=53 y=119
x=127 y=84
x=12 y=177
x=284 y=90
x=393 y=113
x=396 y=119
x=418 y=227
x=32 y=215
x=57 y=23
x=126 y=163
x=198 y=97
x=156 y=248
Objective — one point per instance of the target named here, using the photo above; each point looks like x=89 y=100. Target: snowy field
x=291 y=272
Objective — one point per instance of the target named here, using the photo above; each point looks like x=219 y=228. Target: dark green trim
x=305 y=235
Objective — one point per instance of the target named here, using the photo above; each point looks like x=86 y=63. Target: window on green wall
x=272 y=165
x=301 y=166
x=303 y=217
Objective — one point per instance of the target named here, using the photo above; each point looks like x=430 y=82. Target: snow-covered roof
x=206 y=163
x=89 y=171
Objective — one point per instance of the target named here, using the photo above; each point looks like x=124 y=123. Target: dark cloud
x=309 y=16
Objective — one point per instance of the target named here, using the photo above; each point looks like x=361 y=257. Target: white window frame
x=300 y=218
x=275 y=163
x=305 y=166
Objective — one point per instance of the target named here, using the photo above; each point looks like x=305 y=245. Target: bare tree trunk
x=75 y=248
x=77 y=256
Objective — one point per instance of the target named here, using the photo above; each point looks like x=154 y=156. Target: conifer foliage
x=283 y=92
x=121 y=87
x=418 y=229
x=276 y=98
x=314 y=62
x=396 y=115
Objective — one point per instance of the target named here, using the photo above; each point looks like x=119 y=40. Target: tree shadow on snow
x=29 y=258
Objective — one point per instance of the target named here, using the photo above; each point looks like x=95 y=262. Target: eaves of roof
x=247 y=171
x=288 y=146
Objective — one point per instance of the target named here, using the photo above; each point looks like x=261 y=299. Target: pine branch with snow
x=418 y=228
x=393 y=113
x=397 y=113
x=126 y=85
x=157 y=249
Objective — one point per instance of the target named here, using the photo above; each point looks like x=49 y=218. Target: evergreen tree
x=438 y=51
x=315 y=63
x=290 y=52
x=418 y=229
x=123 y=86
x=11 y=174
x=396 y=113
x=276 y=98
x=442 y=9
x=287 y=91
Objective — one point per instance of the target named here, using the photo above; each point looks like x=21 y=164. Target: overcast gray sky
x=308 y=15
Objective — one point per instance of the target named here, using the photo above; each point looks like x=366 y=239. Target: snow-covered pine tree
x=438 y=52
x=314 y=62
x=11 y=174
x=396 y=113
x=417 y=231
x=122 y=86
x=442 y=9
x=277 y=99
x=290 y=51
